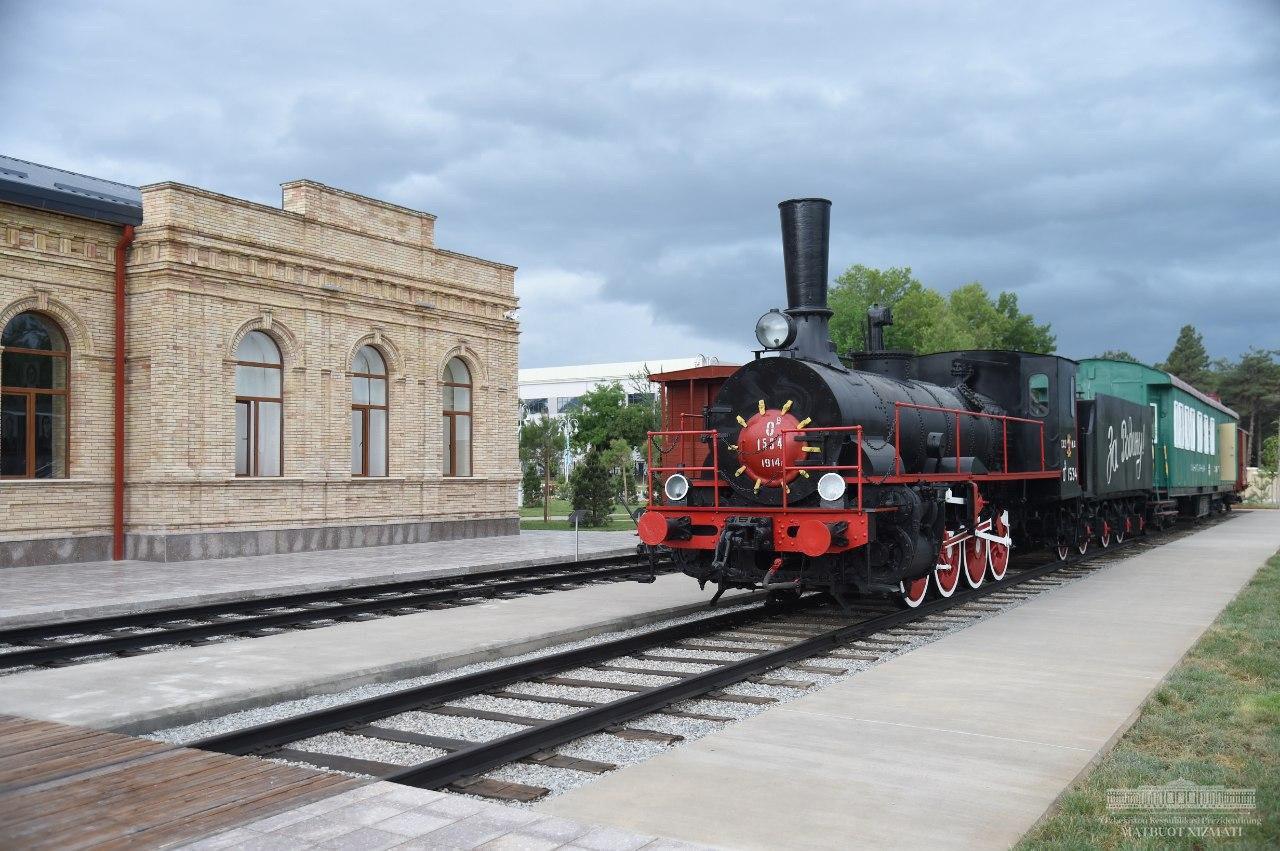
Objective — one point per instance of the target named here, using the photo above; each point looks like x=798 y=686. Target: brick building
x=311 y=377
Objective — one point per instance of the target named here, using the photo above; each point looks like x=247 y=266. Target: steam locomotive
x=885 y=472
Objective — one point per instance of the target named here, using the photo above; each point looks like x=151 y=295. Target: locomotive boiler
x=872 y=472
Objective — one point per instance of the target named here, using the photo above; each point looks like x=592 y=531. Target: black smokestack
x=806 y=237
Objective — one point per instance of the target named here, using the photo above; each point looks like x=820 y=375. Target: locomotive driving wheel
x=946 y=576
x=999 y=553
x=976 y=553
x=914 y=591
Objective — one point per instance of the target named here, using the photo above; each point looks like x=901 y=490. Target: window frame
x=366 y=418
x=30 y=393
x=451 y=418
x=1040 y=409
x=253 y=403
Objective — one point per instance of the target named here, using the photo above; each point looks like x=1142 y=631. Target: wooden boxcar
x=684 y=395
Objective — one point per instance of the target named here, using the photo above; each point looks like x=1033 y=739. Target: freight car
x=883 y=472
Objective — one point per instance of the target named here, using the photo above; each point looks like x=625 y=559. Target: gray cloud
x=1115 y=164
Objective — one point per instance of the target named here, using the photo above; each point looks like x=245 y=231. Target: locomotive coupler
x=748 y=533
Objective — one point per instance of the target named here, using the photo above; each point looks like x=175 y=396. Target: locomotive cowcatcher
x=883 y=472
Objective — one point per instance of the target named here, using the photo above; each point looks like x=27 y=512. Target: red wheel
x=1104 y=537
x=1064 y=550
x=975 y=561
x=946 y=576
x=914 y=592
x=999 y=552
x=1086 y=532
x=1123 y=528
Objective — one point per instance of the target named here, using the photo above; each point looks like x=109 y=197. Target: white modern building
x=554 y=390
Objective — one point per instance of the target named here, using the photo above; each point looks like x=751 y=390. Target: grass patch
x=559 y=507
x=1214 y=721
x=616 y=524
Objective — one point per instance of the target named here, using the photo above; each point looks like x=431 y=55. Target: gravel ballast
x=605 y=747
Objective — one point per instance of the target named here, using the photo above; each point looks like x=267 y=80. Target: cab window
x=1038 y=394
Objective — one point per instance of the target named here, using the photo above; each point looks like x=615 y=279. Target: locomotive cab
x=1037 y=388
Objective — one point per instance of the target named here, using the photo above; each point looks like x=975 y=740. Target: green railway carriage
x=1195 y=441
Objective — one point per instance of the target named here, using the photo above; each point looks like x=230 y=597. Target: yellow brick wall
x=327 y=274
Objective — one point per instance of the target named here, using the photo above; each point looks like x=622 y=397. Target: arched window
x=34 y=433
x=457 y=419
x=368 y=413
x=259 y=406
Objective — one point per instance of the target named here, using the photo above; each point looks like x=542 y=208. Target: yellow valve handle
x=786 y=407
x=741 y=421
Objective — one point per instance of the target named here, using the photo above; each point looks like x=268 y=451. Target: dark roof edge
x=57 y=190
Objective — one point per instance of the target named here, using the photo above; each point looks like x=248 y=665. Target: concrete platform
x=386 y=815
x=964 y=743
x=165 y=689
x=51 y=593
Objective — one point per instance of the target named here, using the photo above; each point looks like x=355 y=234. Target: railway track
x=74 y=642
x=698 y=659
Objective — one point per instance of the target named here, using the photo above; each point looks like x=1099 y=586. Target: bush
x=531 y=485
x=591 y=489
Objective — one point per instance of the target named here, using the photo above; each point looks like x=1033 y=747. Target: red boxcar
x=683 y=394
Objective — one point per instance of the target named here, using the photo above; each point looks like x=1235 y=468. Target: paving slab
x=52 y=593
x=963 y=743
x=171 y=688
x=385 y=815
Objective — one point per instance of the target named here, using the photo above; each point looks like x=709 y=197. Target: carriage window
x=1039 y=395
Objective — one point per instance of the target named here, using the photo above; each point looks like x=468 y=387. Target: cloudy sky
x=1115 y=164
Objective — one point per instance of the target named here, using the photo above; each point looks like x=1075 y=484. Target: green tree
x=605 y=416
x=1188 y=359
x=1019 y=330
x=532 y=486
x=1269 y=447
x=1251 y=387
x=619 y=458
x=591 y=489
x=542 y=445
x=925 y=320
x=855 y=290
x=1118 y=354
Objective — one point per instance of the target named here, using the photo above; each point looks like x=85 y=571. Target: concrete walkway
x=386 y=815
x=964 y=743
x=32 y=595
x=148 y=692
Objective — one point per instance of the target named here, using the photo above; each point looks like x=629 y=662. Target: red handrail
x=683 y=468
x=1004 y=432
x=786 y=468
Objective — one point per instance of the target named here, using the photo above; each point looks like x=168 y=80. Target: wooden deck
x=70 y=787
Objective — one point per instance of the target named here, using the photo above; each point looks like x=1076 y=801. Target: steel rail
x=275 y=733
x=457 y=587
x=480 y=757
x=486 y=756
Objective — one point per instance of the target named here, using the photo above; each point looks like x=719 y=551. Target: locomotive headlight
x=775 y=330
x=831 y=486
x=676 y=488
